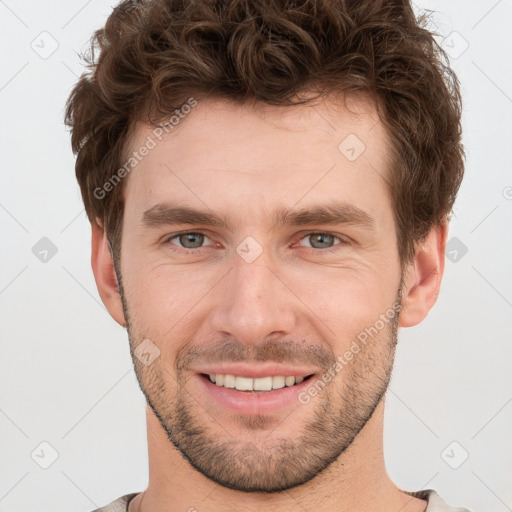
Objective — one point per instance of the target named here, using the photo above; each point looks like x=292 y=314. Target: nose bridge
x=253 y=302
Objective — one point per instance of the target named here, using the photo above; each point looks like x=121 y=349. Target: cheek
x=345 y=301
x=163 y=287
x=164 y=300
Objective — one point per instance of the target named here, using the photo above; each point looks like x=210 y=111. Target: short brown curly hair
x=154 y=54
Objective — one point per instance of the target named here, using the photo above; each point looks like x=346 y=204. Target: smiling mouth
x=254 y=385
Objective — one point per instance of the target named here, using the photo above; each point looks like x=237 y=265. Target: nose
x=253 y=302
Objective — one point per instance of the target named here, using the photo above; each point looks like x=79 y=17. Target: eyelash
x=342 y=241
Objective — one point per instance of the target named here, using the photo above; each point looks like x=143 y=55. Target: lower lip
x=254 y=403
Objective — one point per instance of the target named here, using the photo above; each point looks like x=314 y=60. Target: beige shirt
x=435 y=503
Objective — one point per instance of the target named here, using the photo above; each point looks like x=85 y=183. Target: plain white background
x=66 y=377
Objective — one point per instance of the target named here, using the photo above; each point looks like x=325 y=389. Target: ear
x=423 y=277
x=104 y=274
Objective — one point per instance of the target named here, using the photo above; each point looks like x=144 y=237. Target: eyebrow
x=166 y=214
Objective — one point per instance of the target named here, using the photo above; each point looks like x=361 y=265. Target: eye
x=192 y=241
x=322 y=240
x=188 y=240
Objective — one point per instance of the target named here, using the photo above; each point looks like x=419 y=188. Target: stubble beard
x=270 y=464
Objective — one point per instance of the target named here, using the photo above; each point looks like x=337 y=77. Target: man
x=268 y=185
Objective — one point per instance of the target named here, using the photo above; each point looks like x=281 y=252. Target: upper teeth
x=259 y=384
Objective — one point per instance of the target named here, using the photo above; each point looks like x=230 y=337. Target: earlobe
x=104 y=274
x=423 y=277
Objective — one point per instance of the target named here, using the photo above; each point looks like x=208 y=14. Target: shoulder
x=434 y=502
x=119 y=505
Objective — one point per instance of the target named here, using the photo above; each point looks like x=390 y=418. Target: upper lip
x=256 y=371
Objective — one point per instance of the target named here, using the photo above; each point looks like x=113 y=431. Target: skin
x=294 y=303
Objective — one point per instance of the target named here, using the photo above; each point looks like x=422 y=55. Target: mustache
x=274 y=351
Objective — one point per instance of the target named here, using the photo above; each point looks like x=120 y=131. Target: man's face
x=266 y=295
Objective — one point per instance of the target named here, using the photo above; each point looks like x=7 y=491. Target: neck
x=356 y=481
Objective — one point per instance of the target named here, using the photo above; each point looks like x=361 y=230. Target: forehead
x=251 y=156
